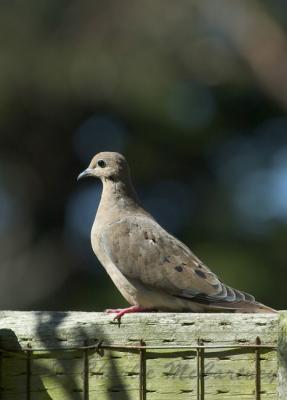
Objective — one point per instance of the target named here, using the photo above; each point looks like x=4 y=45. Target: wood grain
x=57 y=367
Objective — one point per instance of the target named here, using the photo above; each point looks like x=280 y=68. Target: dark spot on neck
x=179 y=268
x=200 y=273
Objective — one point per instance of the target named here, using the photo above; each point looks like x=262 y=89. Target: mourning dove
x=151 y=268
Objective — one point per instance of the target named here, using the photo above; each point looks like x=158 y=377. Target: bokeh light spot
x=99 y=133
x=81 y=211
x=255 y=170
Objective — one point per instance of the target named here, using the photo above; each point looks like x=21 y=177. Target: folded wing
x=142 y=250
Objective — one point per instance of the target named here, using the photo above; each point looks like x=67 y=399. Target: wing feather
x=142 y=250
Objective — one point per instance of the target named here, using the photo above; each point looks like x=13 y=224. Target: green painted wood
x=114 y=375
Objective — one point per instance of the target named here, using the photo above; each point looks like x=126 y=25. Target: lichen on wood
x=58 y=368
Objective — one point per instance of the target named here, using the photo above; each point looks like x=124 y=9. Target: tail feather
x=241 y=307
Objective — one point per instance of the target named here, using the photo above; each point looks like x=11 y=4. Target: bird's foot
x=122 y=311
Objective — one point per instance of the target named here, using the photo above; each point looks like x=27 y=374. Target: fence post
x=180 y=355
x=282 y=356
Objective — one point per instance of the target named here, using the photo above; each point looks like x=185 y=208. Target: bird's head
x=107 y=165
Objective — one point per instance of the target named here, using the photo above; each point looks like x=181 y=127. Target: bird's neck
x=118 y=199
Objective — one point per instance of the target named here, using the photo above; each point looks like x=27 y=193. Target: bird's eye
x=101 y=163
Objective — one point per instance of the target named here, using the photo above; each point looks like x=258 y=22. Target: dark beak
x=85 y=174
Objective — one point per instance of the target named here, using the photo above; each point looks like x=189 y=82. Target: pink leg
x=123 y=311
x=113 y=310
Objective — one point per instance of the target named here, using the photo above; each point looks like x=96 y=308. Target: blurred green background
x=193 y=93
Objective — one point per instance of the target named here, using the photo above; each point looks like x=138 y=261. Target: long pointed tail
x=243 y=306
x=253 y=307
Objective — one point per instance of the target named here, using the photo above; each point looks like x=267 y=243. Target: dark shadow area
x=14 y=364
x=48 y=329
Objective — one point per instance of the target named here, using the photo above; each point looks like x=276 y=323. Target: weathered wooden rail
x=153 y=356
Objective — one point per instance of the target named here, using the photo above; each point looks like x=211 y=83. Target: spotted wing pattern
x=142 y=250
